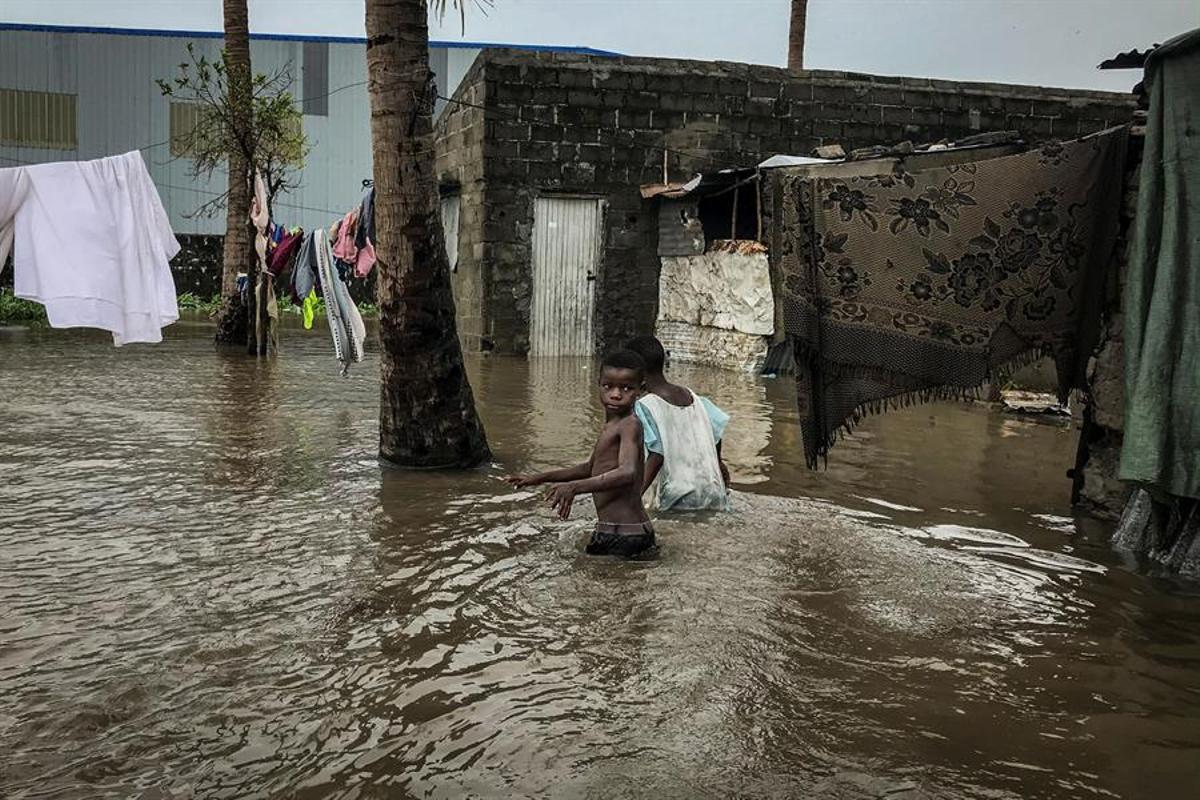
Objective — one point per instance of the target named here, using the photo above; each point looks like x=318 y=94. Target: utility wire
x=614 y=137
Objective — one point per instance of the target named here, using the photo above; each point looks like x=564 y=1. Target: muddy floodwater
x=209 y=588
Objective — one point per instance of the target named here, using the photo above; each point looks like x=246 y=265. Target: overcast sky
x=1046 y=42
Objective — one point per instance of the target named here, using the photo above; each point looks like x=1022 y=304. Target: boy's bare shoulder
x=632 y=424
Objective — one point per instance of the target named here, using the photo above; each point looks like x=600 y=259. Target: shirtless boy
x=613 y=475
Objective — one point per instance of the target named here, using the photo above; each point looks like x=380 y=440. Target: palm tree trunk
x=427 y=416
x=796 y=35
x=238 y=253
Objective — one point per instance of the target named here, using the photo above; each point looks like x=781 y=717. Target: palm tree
x=238 y=255
x=427 y=416
x=796 y=35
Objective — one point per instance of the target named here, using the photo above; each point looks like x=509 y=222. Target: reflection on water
x=209 y=588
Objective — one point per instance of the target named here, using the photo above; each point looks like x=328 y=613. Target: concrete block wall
x=459 y=168
x=568 y=123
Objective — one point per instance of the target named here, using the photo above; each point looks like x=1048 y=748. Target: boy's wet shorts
x=614 y=539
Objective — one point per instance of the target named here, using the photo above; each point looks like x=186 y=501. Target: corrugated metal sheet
x=566 y=249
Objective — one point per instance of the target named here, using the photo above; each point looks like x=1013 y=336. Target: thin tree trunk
x=427 y=416
x=796 y=35
x=238 y=255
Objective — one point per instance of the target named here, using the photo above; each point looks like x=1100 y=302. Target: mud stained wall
x=1102 y=493
x=599 y=126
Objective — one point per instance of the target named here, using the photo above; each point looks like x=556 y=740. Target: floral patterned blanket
x=920 y=285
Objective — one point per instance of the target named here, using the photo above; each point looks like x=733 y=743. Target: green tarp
x=1161 y=447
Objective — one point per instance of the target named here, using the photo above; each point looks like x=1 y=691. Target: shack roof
x=869 y=161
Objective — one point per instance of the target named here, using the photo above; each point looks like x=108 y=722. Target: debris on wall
x=716 y=308
x=679 y=230
x=715 y=347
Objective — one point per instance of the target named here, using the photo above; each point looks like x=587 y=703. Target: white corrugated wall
x=566 y=247
x=119 y=108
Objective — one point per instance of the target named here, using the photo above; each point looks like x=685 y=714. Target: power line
x=275 y=204
x=614 y=137
x=206 y=192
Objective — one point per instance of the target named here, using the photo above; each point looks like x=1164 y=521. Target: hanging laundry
x=347 y=250
x=920 y=285
x=264 y=297
x=366 y=220
x=304 y=270
x=310 y=309
x=364 y=262
x=14 y=186
x=1161 y=445
x=92 y=243
x=280 y=258
x=260 y=216
x=343 y=246
x=345 y=323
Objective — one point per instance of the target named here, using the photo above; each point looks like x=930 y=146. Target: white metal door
x=566 y=249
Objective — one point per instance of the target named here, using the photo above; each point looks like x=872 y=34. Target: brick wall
x=592 y=125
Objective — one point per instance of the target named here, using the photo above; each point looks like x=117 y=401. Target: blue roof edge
x=292 y=37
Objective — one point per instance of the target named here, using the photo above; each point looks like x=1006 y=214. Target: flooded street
x=209 y=588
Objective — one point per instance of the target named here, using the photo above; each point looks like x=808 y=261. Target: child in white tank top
x=682 y=433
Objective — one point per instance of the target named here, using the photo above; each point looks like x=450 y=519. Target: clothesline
x=205 y=192
x=317 y=260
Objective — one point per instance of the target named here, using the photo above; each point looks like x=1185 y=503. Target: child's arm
x=719 y=420
x=554 y=476
x=654 y=462
x=562 y=496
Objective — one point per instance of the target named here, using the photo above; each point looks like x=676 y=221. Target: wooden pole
x=733 y=224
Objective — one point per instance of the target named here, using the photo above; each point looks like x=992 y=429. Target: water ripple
x=210 y=588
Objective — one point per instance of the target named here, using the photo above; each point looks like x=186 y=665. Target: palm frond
x=439 y=8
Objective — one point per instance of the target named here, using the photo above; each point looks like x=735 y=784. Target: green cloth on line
x=1161 y=446
x=310 y=309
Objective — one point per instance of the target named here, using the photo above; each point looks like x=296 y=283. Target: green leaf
x=993 y=230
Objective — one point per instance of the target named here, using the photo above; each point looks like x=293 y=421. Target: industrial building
x=70 y=93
